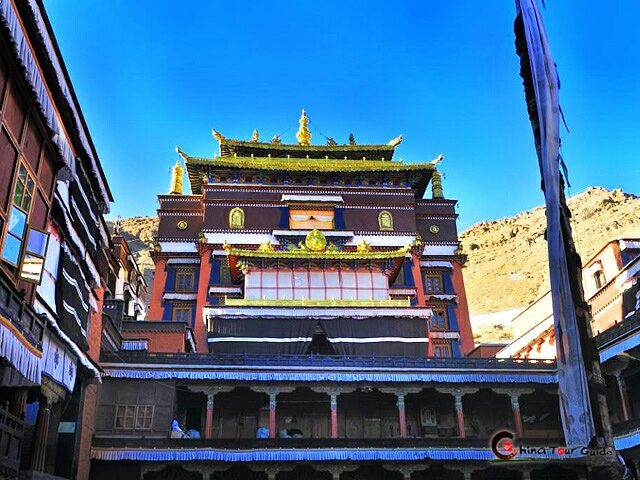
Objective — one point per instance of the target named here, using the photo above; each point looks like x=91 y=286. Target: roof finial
x=303 y=135
x=396 y=141
x=176 y=179
x=352 y=139
x=254 y=137
x=217 y=135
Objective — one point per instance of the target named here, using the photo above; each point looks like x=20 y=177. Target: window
x=599 y=279
x=34 y=253
x=433 y=283
x=311 y=219
x=15 y=236
x=24 y=190
x=134 y=417
x=182 y=314
x=225 y=271
x=442 y=350
x=439 y=320
x=385 y=220
x=185 y=280
x=316 y=284
x=30 y=257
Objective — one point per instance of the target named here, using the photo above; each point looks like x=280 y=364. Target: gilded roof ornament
x=276 y=140
x=217 y=135
x=396 y=141
x=175 y=188
x=303 y=135
x=254 y=137
x=266 y=247
x=352 y=139
x=363 y=247
x=315 y=241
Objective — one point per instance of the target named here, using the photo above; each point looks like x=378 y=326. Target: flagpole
x=581 y=387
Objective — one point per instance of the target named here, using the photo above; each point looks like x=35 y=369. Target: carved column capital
x=457 y=391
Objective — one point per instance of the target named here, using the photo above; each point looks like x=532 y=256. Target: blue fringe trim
x=287 y=455
x=184 y=455
x=620 y=347
x=627 y=441
x=332 y=377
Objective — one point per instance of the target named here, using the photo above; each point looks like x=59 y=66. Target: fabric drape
x=258 y=335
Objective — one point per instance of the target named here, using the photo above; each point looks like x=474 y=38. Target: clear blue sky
x=153 y=75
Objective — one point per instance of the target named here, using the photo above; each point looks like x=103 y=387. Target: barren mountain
x=507 y=265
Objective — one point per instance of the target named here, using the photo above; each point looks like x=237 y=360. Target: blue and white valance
x=58 y=362
x=18 y=351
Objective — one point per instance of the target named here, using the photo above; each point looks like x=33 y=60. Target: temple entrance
x=320 y=345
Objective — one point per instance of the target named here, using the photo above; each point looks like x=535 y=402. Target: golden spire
x=176 y=179
x=254 y=137
x=436 y=185
x=303 y=135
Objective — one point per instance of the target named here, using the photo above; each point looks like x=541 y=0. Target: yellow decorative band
x=18 y=334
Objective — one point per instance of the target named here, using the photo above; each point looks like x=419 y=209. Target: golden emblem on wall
x=182 y=225
x=385 y=220
x=315 y=241
x=434 y=229
x=236 y=218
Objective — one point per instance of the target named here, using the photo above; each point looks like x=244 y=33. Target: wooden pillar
x=517 y=417
x=157 y=289
x=334 y=415
x=272 y=414
x=40 y=436
x=459 y=414
x=199 y=327
x=19 y=402
x=402 y=417
x=624 y=398
x=208 y=426
x=417 y=278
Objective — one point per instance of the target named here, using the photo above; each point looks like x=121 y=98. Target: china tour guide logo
x=504 y=448
x=502 y=445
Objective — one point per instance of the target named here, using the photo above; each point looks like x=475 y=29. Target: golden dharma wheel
x=315 y=241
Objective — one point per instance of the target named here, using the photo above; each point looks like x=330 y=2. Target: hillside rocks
x=507 y=266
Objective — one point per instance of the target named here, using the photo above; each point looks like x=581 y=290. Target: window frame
x=135 y=417
x=185 y=273
x=25 y=251
x=7 y=234
x=181 y=308
x=445 y=324
x=434 y=275
x=443 y=346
